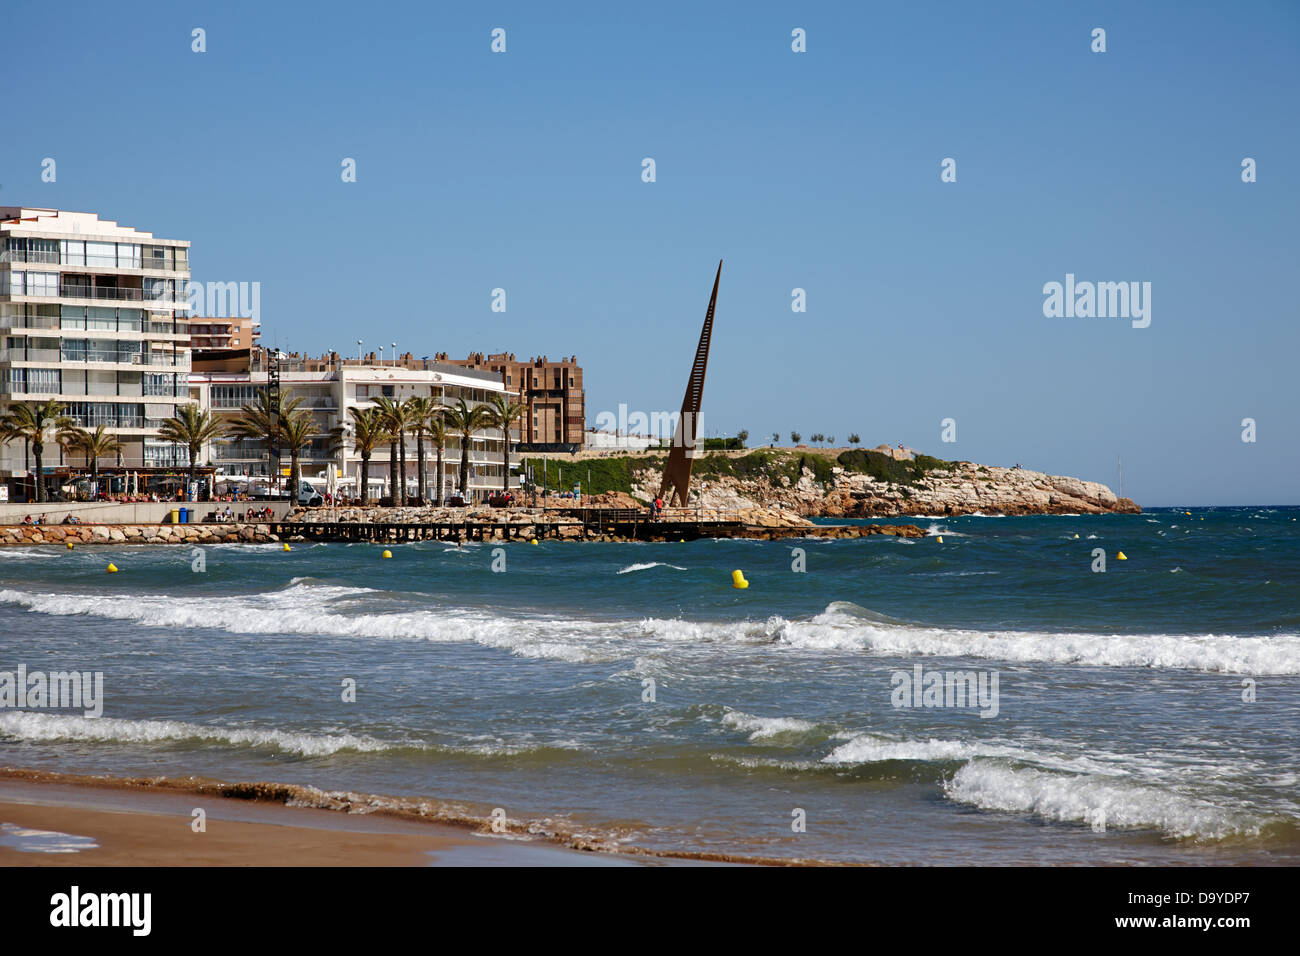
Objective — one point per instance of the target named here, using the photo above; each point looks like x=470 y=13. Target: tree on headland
x=90 y=445
x=193 y=429
x=830 y=440
x=743 y=435
x=32 y=422
x=854 y=438
x=776 y=437
x=794 y=437
x=367 y=433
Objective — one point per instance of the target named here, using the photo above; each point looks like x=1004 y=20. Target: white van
x=308 y=495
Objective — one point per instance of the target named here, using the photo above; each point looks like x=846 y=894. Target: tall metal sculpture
x=677 y=473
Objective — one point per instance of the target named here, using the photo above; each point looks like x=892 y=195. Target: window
x=129 y=320
x=233 y=396
x=99 y=317
x=101 y=254
x=74 y=252
x=72 y=317
x=13 y=283
x=42 y=283
x=128 y=255
x=159 y=383
x=44 y=381
x=74 y=350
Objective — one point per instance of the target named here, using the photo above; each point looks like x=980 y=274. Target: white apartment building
x=95 y=315
x=328 y=389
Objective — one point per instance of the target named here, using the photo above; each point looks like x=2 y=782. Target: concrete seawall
x=128 y=513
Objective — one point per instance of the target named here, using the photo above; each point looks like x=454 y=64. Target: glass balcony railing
x=55 y=259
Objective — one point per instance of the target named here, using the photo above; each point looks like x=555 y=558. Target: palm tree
x=794 y=437
x=193 y=429
x=92 y=445
x=743 y=435
x=465 y=419
x=297 y=430
x=32 y=422
x=502 y=413
x=420 y=408
x=438 y=431
x=854 y=438
x=397 y=416
x=368 y=433
x=263 y=420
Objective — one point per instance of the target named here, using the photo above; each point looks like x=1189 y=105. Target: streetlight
x=394 y=353
x=358 y=350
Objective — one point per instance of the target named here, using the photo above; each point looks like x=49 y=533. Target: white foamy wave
x=305 y=608
x=646 y=566
x=1096 y=801
x=27 y=554
x=22 y=725
x=27 y=840
x=835 y=629
x=869 y=748
x=763 y=728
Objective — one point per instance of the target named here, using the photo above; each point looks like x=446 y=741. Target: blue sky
x=818 y=170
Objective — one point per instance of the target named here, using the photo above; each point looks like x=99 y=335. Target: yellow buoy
x=1121 y=556
x=1076 y=536
x=534 y=541
x=738 y=580
x=286 y=546
x=1186 y=512
x=941 y=539
x=112 y=568
x=69 y=545
x=386 y=554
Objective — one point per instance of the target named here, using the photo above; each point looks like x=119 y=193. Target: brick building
x=551 y=392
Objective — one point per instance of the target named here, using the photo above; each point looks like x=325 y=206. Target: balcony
x=54 y=259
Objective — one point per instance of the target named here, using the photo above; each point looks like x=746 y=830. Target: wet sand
x=140 y=828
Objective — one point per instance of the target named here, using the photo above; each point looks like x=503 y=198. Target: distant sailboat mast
x=1121 y=477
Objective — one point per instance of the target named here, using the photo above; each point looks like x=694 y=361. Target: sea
x=1001 y=691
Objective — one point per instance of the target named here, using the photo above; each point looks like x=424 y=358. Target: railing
x=101 y=292
x=118 y=293
x=26 y=255
x=55 y=258
x=29 y=355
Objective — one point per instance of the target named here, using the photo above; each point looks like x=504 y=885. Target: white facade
x=329 y=393
x=603 y=440
x=94 y=315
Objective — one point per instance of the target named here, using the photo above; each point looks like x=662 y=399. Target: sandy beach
x=142 y=828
